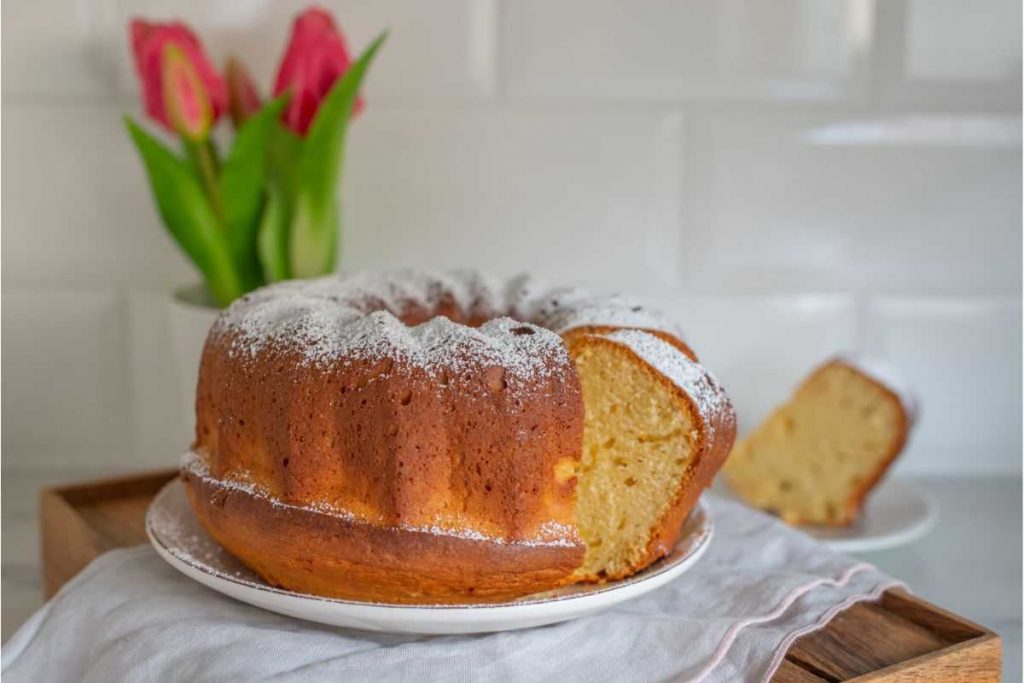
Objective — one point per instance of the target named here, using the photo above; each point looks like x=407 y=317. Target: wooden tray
x=898 y=638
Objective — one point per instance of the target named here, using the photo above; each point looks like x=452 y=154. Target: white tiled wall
x=667 y=50
x=759 y=345
x=985 y=41
x=788 y=199
x=790 y=179
x=577 y=192
x=964 y=358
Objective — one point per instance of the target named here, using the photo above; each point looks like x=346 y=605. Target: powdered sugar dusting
x=565 y=308
x=549 y=535
x=195 y=464
x=335 y=318
x=699 y=384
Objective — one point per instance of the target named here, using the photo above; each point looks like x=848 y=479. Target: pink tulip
x=316 y=57
x=180 y=87
x=243 y=99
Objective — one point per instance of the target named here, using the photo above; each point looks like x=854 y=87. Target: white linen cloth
x=130 y=617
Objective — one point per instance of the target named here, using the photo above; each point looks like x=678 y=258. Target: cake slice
x=657 y=427
x=815 y=459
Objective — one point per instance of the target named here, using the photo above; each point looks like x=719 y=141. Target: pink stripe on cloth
x=784 y=646
x=778 y=611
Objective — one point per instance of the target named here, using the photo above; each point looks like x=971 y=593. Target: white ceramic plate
x=175 y=532
x=896 y=513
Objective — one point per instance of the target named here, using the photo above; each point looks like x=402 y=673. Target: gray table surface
x=970 y=563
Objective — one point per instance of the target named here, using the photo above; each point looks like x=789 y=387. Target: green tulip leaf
x=313 y=244
x=273 y=237
x=243 y=179
x=313 y=240
x=285 y=150
x=285 y=153
x=186 y=212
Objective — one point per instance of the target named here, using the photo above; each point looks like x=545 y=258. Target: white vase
x=192 y=313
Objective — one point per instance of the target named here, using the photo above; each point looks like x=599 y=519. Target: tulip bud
x=243 y=100
x=186 y=102
x=198 y=91
x=315 y=58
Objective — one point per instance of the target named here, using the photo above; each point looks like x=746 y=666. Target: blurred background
x=788 y=179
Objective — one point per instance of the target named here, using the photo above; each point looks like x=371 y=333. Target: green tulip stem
x=204 y=159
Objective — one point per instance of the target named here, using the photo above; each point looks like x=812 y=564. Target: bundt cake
x=423 y=438
x=816 y=458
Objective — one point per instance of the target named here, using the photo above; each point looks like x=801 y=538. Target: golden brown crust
x=475 y=451
x=393 y=443
x=312 y=552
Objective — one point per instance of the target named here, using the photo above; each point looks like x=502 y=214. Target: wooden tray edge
x=978 y=659
x=67 y=542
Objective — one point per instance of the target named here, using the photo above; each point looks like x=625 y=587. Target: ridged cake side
x=435 y=425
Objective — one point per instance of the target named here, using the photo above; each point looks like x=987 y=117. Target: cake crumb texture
x=815 y=459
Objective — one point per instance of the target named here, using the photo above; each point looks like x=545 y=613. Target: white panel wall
x=857 y=201
x=500 y=188
x=964 y=358
x=789 y=179
x=662 y=50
